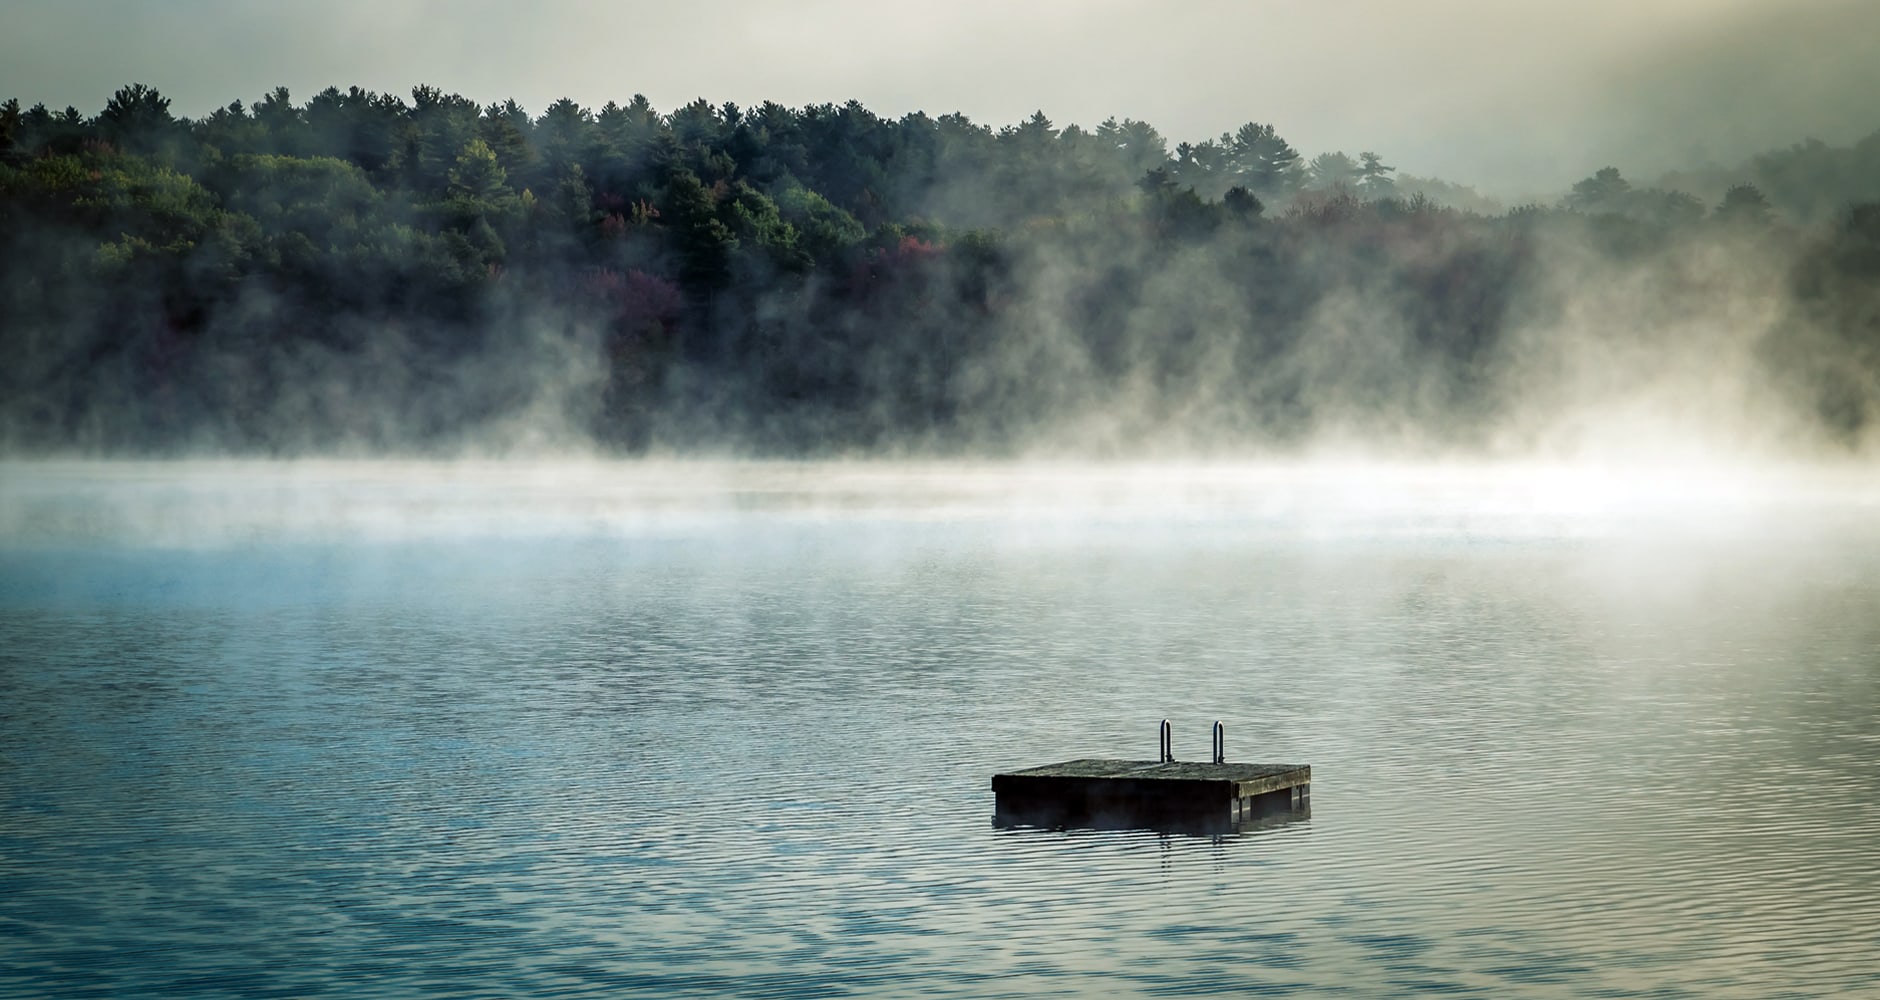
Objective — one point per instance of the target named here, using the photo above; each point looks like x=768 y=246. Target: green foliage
x=1140 y=146
x=1814 y=182
x=1330 y=171
x=137 y=119
x=133 y=196
x=116 y=257
x=1374 y=177
x=1605 y=191
x=47 y=183
x=10 y=119
x=1608 y=193
x=282 y=125
x=228 y=130
x=439 y=129
x=1263 y=162
x=702 y=240
x=1241 y=204
x=1450 y=194
x=756 y=221
x=1744 y=205
x=825 y=231
x=478 y=176
x=326 y=200
x=359 y=126
x=1178 y=213
x=505 y=129
x=846 y=277
x=564 y=137
x=414 y=262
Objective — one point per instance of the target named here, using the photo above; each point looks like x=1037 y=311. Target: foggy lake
x=593 y=729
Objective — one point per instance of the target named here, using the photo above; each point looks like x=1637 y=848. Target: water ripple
x=753 y=760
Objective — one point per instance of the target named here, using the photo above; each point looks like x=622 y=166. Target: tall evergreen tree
x=1374 y=176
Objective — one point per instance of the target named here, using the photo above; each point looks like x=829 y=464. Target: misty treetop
x=365 y=272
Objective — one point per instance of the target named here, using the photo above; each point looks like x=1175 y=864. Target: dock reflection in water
x=1201 y=824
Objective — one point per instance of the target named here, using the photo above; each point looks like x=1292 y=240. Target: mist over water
x=686 y=728
x=541 y=548
x=215 y=504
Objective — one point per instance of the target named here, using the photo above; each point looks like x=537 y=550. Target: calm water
x=718 y=730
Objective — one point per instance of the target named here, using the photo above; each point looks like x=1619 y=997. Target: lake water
x=384 y=730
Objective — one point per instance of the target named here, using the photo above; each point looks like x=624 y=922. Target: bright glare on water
x=386 y=730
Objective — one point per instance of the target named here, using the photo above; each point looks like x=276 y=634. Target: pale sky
x=1515 y=97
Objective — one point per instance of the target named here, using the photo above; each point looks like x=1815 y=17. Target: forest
x=366 y=274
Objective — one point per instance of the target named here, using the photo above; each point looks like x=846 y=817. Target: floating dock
x=1161 y=794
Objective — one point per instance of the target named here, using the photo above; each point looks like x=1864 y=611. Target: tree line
x=362 y=271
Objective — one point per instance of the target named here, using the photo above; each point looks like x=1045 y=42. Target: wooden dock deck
x=1122 y=794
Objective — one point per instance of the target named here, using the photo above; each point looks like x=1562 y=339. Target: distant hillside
x=366 y=273
x=1809 y=182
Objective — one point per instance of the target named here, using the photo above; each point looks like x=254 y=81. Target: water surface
x=495 y=730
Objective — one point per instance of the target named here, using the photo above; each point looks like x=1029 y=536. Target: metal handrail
x=1168 y=745
x=1220 y=742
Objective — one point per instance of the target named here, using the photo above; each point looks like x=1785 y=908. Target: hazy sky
x=1516 y=96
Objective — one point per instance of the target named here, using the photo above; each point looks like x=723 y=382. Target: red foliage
x=908 y=257
x=640 y=303
x=913 y=248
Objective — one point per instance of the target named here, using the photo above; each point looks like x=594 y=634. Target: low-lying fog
x=214 y=503
x=613 y=727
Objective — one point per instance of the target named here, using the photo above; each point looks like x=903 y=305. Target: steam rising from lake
x=221 y=503
x=655 y=728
